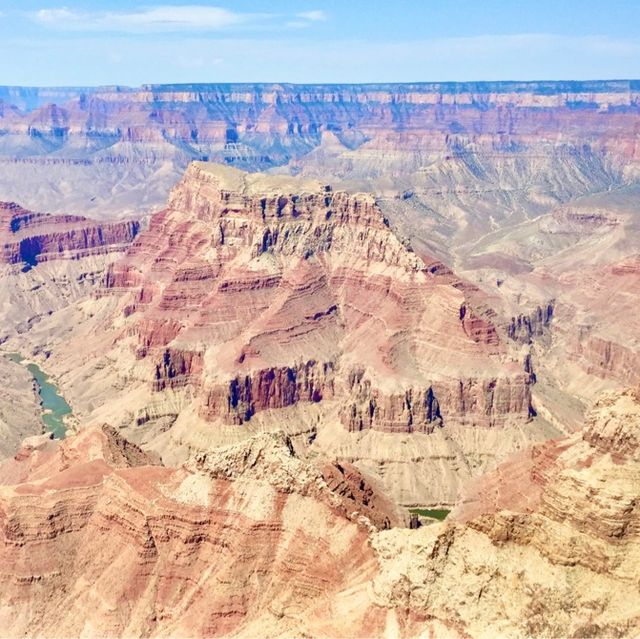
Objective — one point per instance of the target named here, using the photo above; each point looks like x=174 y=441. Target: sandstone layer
x=29 y=238
x=547 y=545
x=98 y=538
x=254 y=301
x=90 y=149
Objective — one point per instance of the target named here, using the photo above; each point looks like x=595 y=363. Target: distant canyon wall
x=267 y=124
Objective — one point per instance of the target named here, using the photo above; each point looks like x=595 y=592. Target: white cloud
x=200 y=57
x=313 y=16
x=166 y=18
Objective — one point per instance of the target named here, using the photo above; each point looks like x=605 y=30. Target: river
x=54 y=406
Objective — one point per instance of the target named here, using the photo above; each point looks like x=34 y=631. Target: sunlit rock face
x=30 y=238
x=268 y=123
x=542 y=546
x=255 y=301
x=98 y=537
x=266 y=292
x=101 y=145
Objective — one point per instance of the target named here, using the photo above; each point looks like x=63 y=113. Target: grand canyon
x=324 y=360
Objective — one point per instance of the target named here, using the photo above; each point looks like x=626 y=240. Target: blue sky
x=74 y=42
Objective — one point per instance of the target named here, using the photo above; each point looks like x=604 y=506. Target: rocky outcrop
x=30 y=238
x=541 y=547
x=478 y=328
x=471 y=402
x=415 y=411
x=612 y=426
x=271 y=388
x=97 y=537
x=524 y=328
x=274 y=281
x=177 y=369
x=608 y=359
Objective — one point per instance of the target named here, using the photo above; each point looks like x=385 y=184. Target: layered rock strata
x=30 y=238
x=268 y=292
x=546 y=545
x=97 y=537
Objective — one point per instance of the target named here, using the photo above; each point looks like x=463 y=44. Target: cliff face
x=265 y=124
x=98 y=538
x=271 y=388
x=229 y=544
x=540 y=547
x=31 y=238
x=107 y=138
x=285 y=292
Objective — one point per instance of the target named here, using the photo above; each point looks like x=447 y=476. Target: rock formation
x=103 y=140
x=254 y=302
x=546 y=545
x=29 y=238
x=97 y=537
x=306 y=357
x=267 y=292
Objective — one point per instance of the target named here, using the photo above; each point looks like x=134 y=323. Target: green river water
x=54 y=406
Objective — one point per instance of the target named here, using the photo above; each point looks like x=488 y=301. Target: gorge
x=299 y=325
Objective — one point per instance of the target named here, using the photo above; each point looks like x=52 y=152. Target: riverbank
x=55 y=409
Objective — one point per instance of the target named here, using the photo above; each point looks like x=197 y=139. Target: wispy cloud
x=306 y=19
x=202 y=57
x=313 y=16
x=165 y=18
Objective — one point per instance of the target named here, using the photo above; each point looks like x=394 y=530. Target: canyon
x=250 y=539
x=254 y=302
x=286 y=315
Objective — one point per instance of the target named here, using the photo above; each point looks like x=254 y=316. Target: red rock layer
x=270 y=291
x=270 y=388
x=96 y=539
x=544 y=546
x=37 y=237
x=263 y=123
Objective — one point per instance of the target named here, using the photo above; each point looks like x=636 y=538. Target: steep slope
x=50 y=261
x=547 y=545
x=583 y=256
x=256 y=302
x=47 y=263
x=30 y=238
x=97 y=539
x=89 y=150
x=261 y=288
